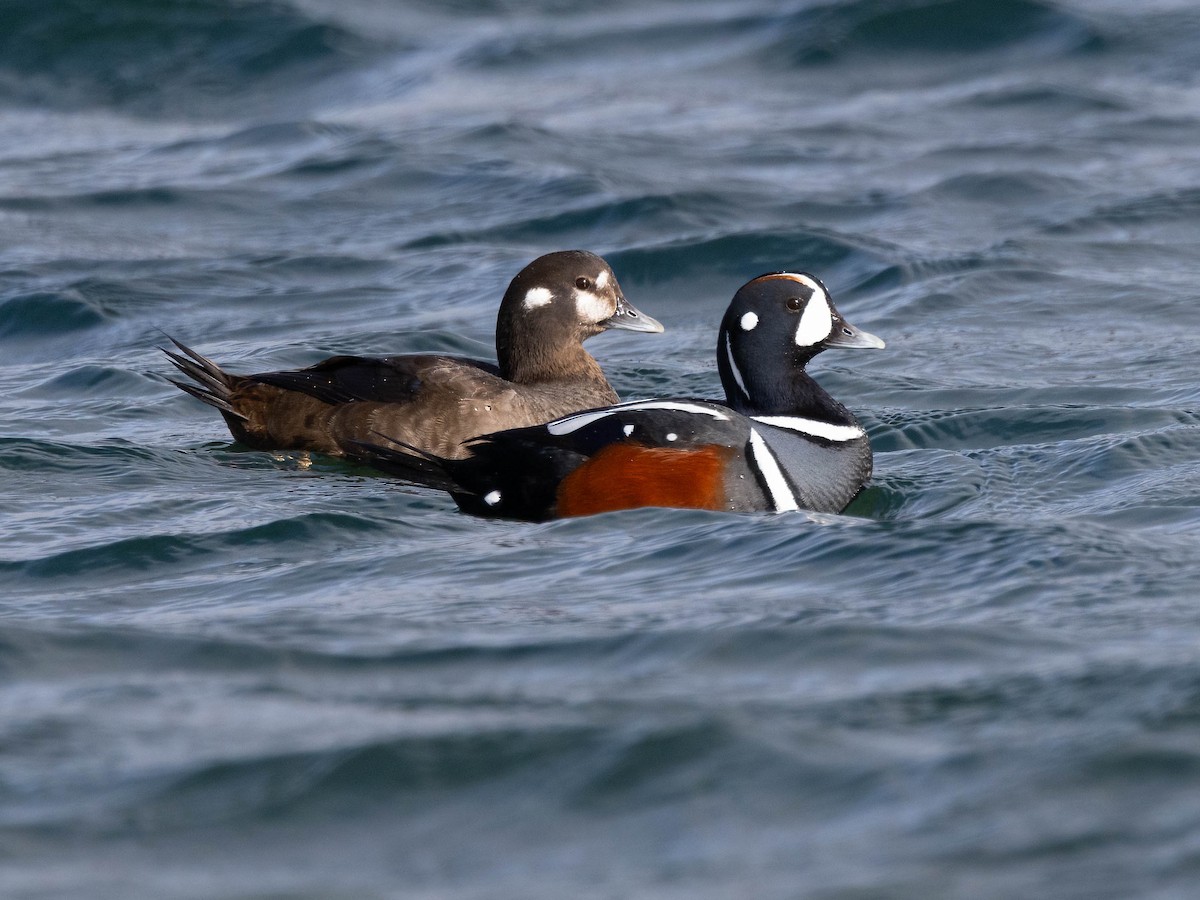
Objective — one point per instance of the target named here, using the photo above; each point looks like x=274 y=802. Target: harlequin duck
x=433 y=402
x=780 y=442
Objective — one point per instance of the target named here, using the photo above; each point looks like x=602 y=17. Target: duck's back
x=431 y=402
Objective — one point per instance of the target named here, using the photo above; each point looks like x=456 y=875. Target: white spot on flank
x=538 y=296
x=826 y=430
x=777 y=487
x=491 y=498
x=749 y=320
x=816 y=322
x=672 y=436
x=602 y=280
x=568 y=424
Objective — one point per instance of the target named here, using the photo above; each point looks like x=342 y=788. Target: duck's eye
x=794 y=303
x=583 y=283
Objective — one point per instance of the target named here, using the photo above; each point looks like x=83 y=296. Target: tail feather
x=208 y=397
x=410 y=464
x=213 y=385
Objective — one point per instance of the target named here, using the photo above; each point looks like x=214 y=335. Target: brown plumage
x=435 y=402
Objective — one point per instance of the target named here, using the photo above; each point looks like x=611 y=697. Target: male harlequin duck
x=780 y=442
x=432 y=402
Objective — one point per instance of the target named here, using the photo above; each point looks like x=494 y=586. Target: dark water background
x=228 y=674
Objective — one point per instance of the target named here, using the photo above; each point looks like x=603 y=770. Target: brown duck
x=431 y=401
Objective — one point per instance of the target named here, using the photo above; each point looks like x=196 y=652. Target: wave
x=146 y=56
x=825 y=33
x=40 y=314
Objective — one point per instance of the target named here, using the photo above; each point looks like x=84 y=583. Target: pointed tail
x=212 y=385
x=407 y=463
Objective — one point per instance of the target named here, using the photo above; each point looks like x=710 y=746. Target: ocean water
x=235 y=674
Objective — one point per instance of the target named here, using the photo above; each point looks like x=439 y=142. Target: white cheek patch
x=749 y=320
x=491 y=498
x=816 y=322
x=538 y=296
x=592 y=308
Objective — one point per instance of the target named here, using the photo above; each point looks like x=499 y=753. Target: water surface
x=243 y=675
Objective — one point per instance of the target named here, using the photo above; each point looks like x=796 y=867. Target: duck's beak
x=848 y=337
x=629 y=318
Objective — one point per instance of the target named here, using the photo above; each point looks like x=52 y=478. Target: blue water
x=235 y=674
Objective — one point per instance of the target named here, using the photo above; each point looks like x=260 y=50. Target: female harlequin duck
x=434 y=402
x=780 y=442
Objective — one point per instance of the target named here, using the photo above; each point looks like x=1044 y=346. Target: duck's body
x=779 y=443
x=436 y=402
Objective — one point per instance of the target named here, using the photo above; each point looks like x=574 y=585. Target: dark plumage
x=779 y=442
x=435 y=402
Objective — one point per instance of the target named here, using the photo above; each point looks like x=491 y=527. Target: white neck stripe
x=816 y=428
x=737 y=375
x=781 y=495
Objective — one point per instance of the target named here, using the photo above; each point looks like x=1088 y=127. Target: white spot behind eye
x=491 y=498
x=538 y=296
x=749 y=320
x=816 y=322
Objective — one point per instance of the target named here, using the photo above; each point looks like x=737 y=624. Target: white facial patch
x=491 y=498
x=601 y=280
x=826 y=430
x=672 y=436
x=569 y=424
x=592 y=308
x=749 y=320
x=538 y=296
x=816 y=322
x=782 y=497
x=628 y=429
